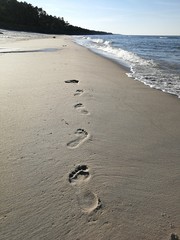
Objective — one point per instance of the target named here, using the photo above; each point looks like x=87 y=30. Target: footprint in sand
x=80 y=174
x=72 y=81
x=88 y=201
x=82 y=136
x=80 y=107
x=78 y=92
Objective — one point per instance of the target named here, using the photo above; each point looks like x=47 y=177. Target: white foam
x=130 y=57
x=144 y=70
x=98 y=40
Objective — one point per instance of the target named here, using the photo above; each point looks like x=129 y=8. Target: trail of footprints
x=88 y=201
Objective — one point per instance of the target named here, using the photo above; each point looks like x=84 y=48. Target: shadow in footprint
x=82 y=136
x=84 y=111
x=78 y=92
x=89 y=201
x=80 y=107
x=80 y=174
x=72 y=81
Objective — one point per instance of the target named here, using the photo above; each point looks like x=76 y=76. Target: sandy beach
x=85 y=152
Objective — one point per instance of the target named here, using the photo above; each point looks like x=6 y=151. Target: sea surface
x=153 y=60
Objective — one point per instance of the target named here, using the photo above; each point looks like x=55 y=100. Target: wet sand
x=85 y=151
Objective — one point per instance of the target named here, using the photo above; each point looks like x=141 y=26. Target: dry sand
x=97 y=157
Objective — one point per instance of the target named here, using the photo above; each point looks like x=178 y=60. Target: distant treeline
x=22 y=16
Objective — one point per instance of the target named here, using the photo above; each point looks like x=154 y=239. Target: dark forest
x=22 y=16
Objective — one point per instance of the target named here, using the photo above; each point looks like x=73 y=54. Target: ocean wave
x=157 y=72
x=101 y=41
x=156 y=78
x=98 y=40
x=118 y=53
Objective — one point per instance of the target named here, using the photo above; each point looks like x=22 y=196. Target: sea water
x=153 y=60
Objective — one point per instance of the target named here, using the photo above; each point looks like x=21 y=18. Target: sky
x=131 y=17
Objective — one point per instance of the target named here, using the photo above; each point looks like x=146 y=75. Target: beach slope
x=85 y=151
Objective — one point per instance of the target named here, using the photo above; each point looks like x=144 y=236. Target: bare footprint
x=80 y=107
x=80 y=174
x=84 y=111
x=88 y=201
x=78 y=92
x=72 y=81
x=82 y=136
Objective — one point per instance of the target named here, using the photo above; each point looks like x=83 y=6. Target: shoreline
x=86 y=153
x=127 y=70
x=148 y=69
